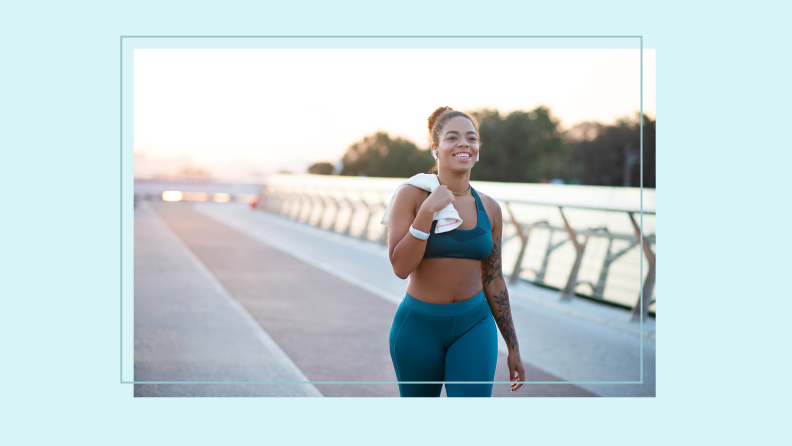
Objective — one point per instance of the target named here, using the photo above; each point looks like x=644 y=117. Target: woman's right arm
x=405 y=250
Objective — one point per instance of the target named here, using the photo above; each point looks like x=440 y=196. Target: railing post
x=549 y=250
x=305 y=206
x=641 y=311
x=301 y=204
x=569 y=289
x=370 y=209
x=599 y=289
x=351 y=215
x=305 y=202
x=322 y=208
x=297 y=206
x=337 y=205
x=523 y=234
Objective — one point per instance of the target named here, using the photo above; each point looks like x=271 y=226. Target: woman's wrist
x=423 y=220
x=420 y=235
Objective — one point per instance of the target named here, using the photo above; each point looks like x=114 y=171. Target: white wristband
x=418 y=234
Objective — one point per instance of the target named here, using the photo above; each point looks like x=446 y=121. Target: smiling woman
x=437 y=123
x=448 y=241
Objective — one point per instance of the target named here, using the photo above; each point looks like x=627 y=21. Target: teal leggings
x=456 y=342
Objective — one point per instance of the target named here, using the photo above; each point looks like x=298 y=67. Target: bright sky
x=237 y=111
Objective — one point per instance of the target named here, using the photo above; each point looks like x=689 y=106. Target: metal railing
x=336 y=209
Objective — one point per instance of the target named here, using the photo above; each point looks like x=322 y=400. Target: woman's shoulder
x=409 y=195
x=490 y=204
x=492 y=207
x=408 y=190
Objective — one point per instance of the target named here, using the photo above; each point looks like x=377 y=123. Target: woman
x=444 y=330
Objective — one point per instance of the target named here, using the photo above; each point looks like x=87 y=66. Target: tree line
x=524 y=147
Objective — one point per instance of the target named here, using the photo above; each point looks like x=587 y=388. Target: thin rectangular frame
x=121 y=196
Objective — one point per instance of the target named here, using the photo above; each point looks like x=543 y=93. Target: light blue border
x=641 y=241
x=381 y=42
x=129 y=43
x=716 y=69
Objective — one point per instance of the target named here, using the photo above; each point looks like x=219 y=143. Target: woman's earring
x=434 y=154
x=477 y=155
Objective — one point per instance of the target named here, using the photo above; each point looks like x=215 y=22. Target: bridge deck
x=223 y=293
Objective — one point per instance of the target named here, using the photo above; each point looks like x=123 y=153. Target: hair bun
x=436 y=114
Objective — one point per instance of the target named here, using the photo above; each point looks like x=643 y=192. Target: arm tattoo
x=504 y=321
x=491 y=270
x=492 y=265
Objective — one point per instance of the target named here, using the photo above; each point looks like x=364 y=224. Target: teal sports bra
x=473 y=243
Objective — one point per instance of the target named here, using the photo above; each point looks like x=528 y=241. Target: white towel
x=447 y=218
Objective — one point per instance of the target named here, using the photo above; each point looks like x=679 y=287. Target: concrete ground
x=223 y=293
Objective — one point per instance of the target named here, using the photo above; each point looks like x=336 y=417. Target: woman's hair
x=438 y=119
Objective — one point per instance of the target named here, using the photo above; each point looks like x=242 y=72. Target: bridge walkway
x=223 y=293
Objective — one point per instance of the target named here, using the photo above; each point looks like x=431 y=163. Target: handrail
x=301 y=202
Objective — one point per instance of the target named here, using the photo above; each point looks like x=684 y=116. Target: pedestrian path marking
x=265 y=339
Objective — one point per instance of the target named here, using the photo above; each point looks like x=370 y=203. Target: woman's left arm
x=498 y=299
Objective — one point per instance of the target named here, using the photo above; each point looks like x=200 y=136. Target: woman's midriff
x=445 y=281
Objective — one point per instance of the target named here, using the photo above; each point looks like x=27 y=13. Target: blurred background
x=296 y=152
x=568 y=115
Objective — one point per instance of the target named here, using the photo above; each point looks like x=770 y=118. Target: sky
x=240 y=114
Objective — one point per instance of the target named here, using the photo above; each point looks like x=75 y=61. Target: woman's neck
x=456 y=182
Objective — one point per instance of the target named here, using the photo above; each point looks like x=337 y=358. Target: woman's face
x=459 y=144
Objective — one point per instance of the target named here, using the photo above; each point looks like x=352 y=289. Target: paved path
x=189 y=328
x=327 y=302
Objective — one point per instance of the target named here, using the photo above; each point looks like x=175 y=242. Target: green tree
x=379 y=155
x=523 y=147
x=608 y=155
x=321 y=168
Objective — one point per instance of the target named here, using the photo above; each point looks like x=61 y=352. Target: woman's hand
x=406 y=251
x=438 y=199
x=516 y=369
